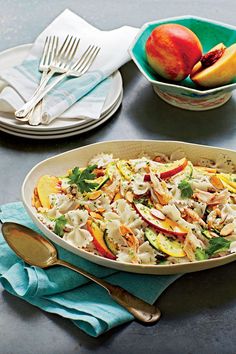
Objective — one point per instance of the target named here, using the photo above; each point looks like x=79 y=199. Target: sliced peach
x=47 y=185
x=221 y=72
x=198 y=66
x=170 y=169
x=98 y=240
x=166 y=226
x=35 y=200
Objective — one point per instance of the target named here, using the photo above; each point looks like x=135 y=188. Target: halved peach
x=221 y=72
x=47 y=185
x=199 y=66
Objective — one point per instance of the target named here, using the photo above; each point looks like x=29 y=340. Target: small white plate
x=69 y=133
x=125 y=149
x=66 y=130
x=14 y=56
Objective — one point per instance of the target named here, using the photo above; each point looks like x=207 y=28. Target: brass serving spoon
x=36 y=250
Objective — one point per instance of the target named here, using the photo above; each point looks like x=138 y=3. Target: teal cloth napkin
x=66 y=293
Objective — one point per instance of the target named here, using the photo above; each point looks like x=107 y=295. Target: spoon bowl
x=29 y=245
x=35 y=250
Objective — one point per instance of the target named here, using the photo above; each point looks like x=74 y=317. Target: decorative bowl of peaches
x=190 y=61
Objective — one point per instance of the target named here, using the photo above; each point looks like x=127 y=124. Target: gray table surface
x=199 y=310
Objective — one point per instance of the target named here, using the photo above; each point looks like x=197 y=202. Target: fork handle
x=24 y=110
x=41 y=86
x=34 y=116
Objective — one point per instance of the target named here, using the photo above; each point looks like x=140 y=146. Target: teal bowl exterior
x=185 y=94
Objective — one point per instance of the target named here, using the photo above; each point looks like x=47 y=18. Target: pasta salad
x=147 y=210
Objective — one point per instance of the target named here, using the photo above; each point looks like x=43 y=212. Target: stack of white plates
x=60 y=127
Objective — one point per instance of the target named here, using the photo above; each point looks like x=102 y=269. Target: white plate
x=123 y=149
x=66 y=130
x=14 y=56
x=69 y=133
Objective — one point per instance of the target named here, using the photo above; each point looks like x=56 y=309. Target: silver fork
x=49 y=52
x=60 y=64
x=48 y=55
x=80 y=67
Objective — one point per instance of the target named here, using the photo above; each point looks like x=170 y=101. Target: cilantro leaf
x=186 y=189
x=217 y=244
x=82 y=177
x=59 y=225
x=200 y=254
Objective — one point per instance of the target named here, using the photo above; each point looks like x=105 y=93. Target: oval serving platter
x=58 y=164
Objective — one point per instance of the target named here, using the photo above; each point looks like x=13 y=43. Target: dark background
x=199 y=310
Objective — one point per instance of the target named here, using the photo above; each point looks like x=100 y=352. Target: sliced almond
x=87 y=208
x=227 y=229
x=129 y=196
x=163 y=198
x=129 y=236
x=96 y=215
x=101 y=210
x=117 y=196
x=94 y=195
x=158 y=214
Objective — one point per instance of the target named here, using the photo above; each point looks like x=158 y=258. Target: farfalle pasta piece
x=78 y=237
x=146 y=254
x=101 y=160
x=77 y=217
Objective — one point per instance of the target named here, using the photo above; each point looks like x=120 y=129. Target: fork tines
x=67 y=51
x=49 y=51
x=88 y=57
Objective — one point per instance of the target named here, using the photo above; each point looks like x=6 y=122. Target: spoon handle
x=140 y=309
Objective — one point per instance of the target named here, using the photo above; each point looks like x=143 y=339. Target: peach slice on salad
x=170 y=169
x=167 y=226
x=47 y=185
x=98 y=240
x=35 y=200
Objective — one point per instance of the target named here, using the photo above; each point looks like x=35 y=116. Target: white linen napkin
x=78 y=97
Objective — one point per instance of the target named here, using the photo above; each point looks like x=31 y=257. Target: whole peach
x=172 y=51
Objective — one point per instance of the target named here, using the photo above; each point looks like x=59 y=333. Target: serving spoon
x=35 y=250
